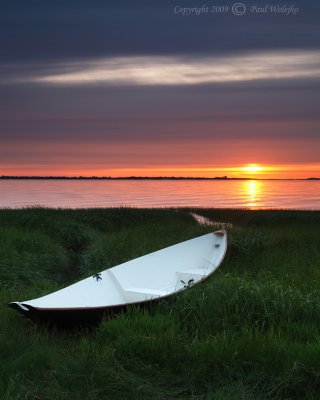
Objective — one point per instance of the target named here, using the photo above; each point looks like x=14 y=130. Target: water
x=166 y=193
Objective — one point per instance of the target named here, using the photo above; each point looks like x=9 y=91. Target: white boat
x=137 y=282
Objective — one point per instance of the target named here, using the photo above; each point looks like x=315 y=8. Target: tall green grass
x=249 y=332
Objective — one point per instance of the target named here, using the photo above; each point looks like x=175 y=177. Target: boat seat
x=195 y=274
x=155 y=292
x=133 y=293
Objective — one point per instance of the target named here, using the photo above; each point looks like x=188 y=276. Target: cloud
x=49 y=30
x=168 y=71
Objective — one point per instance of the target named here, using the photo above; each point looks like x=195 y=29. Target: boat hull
x=68 y=318
x=77 y=317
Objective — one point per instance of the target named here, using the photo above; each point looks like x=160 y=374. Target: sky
x=121 y=88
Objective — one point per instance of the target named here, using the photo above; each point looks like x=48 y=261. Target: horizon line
x=134 y=177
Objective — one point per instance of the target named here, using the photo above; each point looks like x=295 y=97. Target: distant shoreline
x=156 y=178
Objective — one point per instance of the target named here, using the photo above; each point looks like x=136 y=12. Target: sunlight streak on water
x=165 y=193
x=252 y=190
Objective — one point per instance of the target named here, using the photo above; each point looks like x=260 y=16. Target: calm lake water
x=166 y=193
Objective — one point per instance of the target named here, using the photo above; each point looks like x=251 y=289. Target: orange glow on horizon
x=203 y=158
x=253 y=171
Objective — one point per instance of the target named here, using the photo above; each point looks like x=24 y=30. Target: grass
x=249 y=332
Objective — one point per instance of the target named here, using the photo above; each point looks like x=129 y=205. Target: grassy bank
x=250 y=332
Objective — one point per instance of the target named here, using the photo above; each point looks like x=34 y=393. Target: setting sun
x=252 y=168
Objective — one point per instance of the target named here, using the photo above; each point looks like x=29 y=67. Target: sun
x=252 y=168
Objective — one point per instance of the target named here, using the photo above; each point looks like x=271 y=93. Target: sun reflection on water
x=253 y=190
